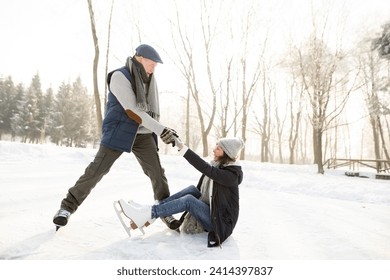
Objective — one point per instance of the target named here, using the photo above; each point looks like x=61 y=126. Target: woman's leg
x=188 y=202
x=191 y=190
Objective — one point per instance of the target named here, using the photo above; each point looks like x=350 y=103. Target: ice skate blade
x=122 y=217
x=119 y=213
x=133 y=225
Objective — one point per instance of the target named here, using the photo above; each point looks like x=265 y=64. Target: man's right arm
x=121 y=88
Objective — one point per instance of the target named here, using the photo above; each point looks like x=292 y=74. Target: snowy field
x=287 y=212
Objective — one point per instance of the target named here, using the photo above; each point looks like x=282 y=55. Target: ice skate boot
x=138 y=216
x=61 y=218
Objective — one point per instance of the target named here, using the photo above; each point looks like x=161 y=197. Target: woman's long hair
x=225 y=159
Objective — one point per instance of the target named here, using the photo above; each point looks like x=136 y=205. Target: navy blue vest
x=118 y=131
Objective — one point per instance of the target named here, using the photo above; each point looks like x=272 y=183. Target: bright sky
x=53 y=37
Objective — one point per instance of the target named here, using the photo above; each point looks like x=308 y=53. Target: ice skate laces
x=63 y=213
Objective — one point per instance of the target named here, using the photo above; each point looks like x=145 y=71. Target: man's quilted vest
x=118 y=131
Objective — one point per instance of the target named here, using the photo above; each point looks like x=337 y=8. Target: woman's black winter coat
x=225 y=196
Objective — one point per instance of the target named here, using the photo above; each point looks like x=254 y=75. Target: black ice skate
x=61 y=218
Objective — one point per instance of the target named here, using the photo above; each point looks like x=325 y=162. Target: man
x=130 y=125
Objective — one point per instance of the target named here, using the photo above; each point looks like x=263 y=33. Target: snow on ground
x=288 y=212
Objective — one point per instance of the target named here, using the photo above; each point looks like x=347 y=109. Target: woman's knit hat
x=231 y=146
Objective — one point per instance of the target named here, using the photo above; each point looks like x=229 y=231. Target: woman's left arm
x=222 y=176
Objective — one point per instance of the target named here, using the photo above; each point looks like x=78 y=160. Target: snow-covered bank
x=287 y=212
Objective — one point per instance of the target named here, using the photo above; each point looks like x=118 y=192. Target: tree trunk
x=317 y=140
x=188 y=115
x=95 y=68
x=107 y=55
x=383 y=139
x=374 y=126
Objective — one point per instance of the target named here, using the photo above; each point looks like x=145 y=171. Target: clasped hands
x=169 y=136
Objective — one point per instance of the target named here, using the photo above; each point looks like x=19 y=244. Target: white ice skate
x=133 y=215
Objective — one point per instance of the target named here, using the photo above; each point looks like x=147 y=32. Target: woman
x=218 y=210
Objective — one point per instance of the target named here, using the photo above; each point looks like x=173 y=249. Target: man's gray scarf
x=145 y=88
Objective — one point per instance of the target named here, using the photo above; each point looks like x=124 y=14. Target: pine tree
x=6 y=87
x=27 y=122
x=48 y=109
x=21 y=118
x=62 y=116
x=33 y=116
x=82 y=114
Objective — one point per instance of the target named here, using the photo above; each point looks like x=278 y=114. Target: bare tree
x=249 y=84
x=264 y=125
x=107 y=53
x=382 y=45
x=187 y=67
x=208 y=33
x=280 y=124
x=295 y=109
x=228 y=105
x=294 y=104
x=318 y=67
x=95 y=69
x=225 y=102
x=373 y=83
